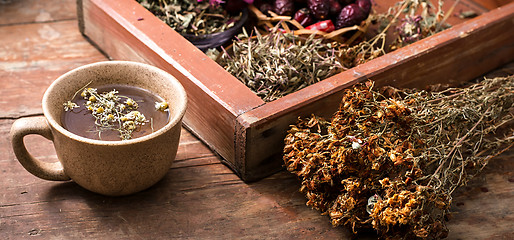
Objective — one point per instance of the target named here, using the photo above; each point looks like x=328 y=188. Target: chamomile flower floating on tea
x=161 y=106
x=103 y=112
x=69 y=105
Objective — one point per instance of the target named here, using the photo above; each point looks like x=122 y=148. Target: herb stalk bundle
x=391 y=160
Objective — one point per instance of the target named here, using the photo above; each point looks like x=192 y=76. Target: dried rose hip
x=234 y=6
x=304 y=17
x=365 y=5
x=319 y=8
x=335 y=7
x=350 y=15
x=284 y=7
x=346 y=2
x=265 y=8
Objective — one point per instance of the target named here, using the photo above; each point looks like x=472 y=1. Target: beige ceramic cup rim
x=175 y=118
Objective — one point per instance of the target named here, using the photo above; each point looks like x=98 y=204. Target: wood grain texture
x=492 y=4
x=35 y=11
x=202 y=199
x=32 y=56
x=484 y=209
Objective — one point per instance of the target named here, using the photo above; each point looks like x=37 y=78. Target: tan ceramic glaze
x=112 y=168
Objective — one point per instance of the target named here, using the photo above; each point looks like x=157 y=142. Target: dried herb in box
x=408 y=21
x=277 y=64
x=192 y=16
x=390 y=160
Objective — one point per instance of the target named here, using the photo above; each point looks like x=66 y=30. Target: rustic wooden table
x=199 y=198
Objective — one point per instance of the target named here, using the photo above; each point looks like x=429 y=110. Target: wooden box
x=247 y=132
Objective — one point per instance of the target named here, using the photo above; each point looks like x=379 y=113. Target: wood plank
x=36 y=11
x=32 y=56
x=484 y=209
x=199 y=198
x=492 y=4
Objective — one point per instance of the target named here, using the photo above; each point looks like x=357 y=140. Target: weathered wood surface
x=200 y=198
x=492 y=4
x=36 y=51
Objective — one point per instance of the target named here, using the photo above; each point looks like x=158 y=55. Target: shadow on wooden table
x=232 y=209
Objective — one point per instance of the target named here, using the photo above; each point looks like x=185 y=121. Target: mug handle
x=35 y=125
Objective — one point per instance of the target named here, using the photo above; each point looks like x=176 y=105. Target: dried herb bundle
x=277 y=64
x=192 y=16
x=390 y=161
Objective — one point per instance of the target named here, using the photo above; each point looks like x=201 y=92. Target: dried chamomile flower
x=111 y=111
x=131 y=103
x=136 y=116
x=112 y=95
x=162 y=106
x=69 y=105
x=371 y=203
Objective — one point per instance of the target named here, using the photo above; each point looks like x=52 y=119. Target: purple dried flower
x=213 y=2
x=410 y=29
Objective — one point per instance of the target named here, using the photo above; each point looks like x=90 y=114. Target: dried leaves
x=277 y=64
x=390 y=161
x=191 y=16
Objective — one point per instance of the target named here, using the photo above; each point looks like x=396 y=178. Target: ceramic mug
x=111 y=168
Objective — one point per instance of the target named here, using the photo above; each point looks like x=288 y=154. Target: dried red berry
x=304 y=17
x=346 y=2
x=350 y=15
x=365 y=5
x=235 y=6
x=319 y=8
x=335 y=7
x=284 y=7
x=265 y=8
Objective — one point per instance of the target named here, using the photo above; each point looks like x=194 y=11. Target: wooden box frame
x=247 y=132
